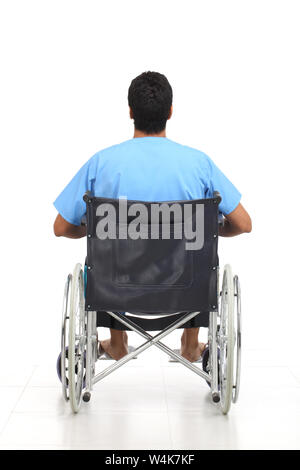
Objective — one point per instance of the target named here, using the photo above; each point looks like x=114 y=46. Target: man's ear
x=171 y=112
x=130 y=113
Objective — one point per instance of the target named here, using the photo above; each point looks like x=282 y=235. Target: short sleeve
x=219 y=182
x=70 y=202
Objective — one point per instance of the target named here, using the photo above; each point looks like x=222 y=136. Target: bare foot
x=193 y=354
x=116 y=347
x=191 y=350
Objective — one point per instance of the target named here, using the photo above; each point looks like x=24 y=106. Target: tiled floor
x=153 y=404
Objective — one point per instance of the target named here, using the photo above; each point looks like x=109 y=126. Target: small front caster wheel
x=216 y=397
x=86 y=396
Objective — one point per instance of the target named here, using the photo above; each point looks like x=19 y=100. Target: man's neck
x=138 y=133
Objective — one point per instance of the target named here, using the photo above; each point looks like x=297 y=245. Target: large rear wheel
x=62 y=361
x=226 y=339
x=238 y=339
x=77 y=339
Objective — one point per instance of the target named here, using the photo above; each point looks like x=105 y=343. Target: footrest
x=107 y=357
x=171 y=359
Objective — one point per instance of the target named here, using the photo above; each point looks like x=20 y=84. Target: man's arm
x=62 y=228
x=237 y=222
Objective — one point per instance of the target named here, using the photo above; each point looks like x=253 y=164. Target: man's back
x=147 y=169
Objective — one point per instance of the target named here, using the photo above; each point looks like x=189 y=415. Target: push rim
x=238 y=339
x=226 y=339
x=64 y=338
x=77 y=339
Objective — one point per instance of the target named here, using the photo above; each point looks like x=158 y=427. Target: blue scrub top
x=146 y=169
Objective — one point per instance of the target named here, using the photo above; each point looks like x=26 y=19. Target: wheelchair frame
x=79 y=340
x=79 y=328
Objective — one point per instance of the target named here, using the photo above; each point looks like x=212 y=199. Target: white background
x=65 y=71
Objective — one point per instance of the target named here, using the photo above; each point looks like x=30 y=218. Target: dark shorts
x=152 y=324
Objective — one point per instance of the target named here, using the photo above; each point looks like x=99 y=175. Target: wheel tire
x=59 y=368
x=77 y=339
x=62 y=361
x=206 y=364
x=225 y=339
x=238 y=340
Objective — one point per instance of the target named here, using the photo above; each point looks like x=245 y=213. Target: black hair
x=150 y=98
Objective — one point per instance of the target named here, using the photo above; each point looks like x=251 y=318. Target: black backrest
x=152 y=274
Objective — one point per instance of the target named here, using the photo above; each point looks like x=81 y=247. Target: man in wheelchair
x=150 y=167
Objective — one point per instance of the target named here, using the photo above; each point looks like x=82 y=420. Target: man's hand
x=237 y=222
x=62 y=228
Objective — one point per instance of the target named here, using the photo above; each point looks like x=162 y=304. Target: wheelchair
x=151 y=283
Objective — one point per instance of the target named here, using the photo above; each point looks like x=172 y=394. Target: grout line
x=167 y=406
x=295 y=376
x=17 y=401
